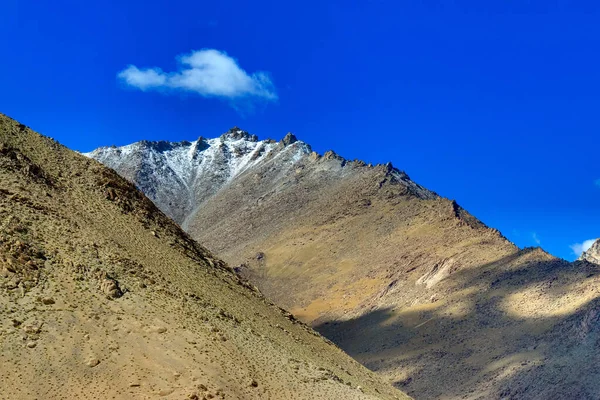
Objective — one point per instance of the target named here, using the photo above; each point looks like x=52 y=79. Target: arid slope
x=102 y=296
x=407 y=282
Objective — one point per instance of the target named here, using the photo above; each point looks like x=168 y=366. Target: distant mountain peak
x=592 y=254
x=180 y=176
x=332 y=155
x=236 y=133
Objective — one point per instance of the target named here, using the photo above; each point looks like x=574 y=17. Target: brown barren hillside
x=407 y=282
x=102 y=296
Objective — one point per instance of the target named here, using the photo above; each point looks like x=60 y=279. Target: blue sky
x=494 y=104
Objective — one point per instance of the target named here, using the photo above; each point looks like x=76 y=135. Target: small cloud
x=150 y=78
x=206 y=72
x=579 y=248
x=535 y=238
x=597 y=182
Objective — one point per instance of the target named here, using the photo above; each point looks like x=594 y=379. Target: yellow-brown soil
x=102 y=296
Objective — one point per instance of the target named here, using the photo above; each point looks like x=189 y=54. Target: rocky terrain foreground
x=103 y=297
x=407 y=282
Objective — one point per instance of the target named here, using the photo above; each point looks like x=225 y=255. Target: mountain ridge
x=179 y=164
x=103 y=154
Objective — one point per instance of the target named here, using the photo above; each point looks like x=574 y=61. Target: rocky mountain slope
x=407 y=282
x=592 y=254
x=103 y=296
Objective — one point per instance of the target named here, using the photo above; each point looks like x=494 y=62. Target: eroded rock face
x=592 y=254
x=110 y=287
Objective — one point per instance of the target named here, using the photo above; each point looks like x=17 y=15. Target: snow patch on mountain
x=179 y=176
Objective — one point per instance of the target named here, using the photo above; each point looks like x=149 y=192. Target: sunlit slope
x=102 y=296
x=414 y=288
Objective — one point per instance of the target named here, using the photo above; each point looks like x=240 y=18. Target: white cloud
x=207 y=72
x=579 y=248
x=597 y=182
x=535 y=238
x=143 y=79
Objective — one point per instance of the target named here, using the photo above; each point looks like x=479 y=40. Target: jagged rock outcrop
x=288 y=139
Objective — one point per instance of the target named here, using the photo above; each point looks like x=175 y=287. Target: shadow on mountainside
x=525 y=326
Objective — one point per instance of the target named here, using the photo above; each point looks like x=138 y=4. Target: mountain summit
x=181 y=176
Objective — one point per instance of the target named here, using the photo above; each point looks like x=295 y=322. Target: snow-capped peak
x=179 y=175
